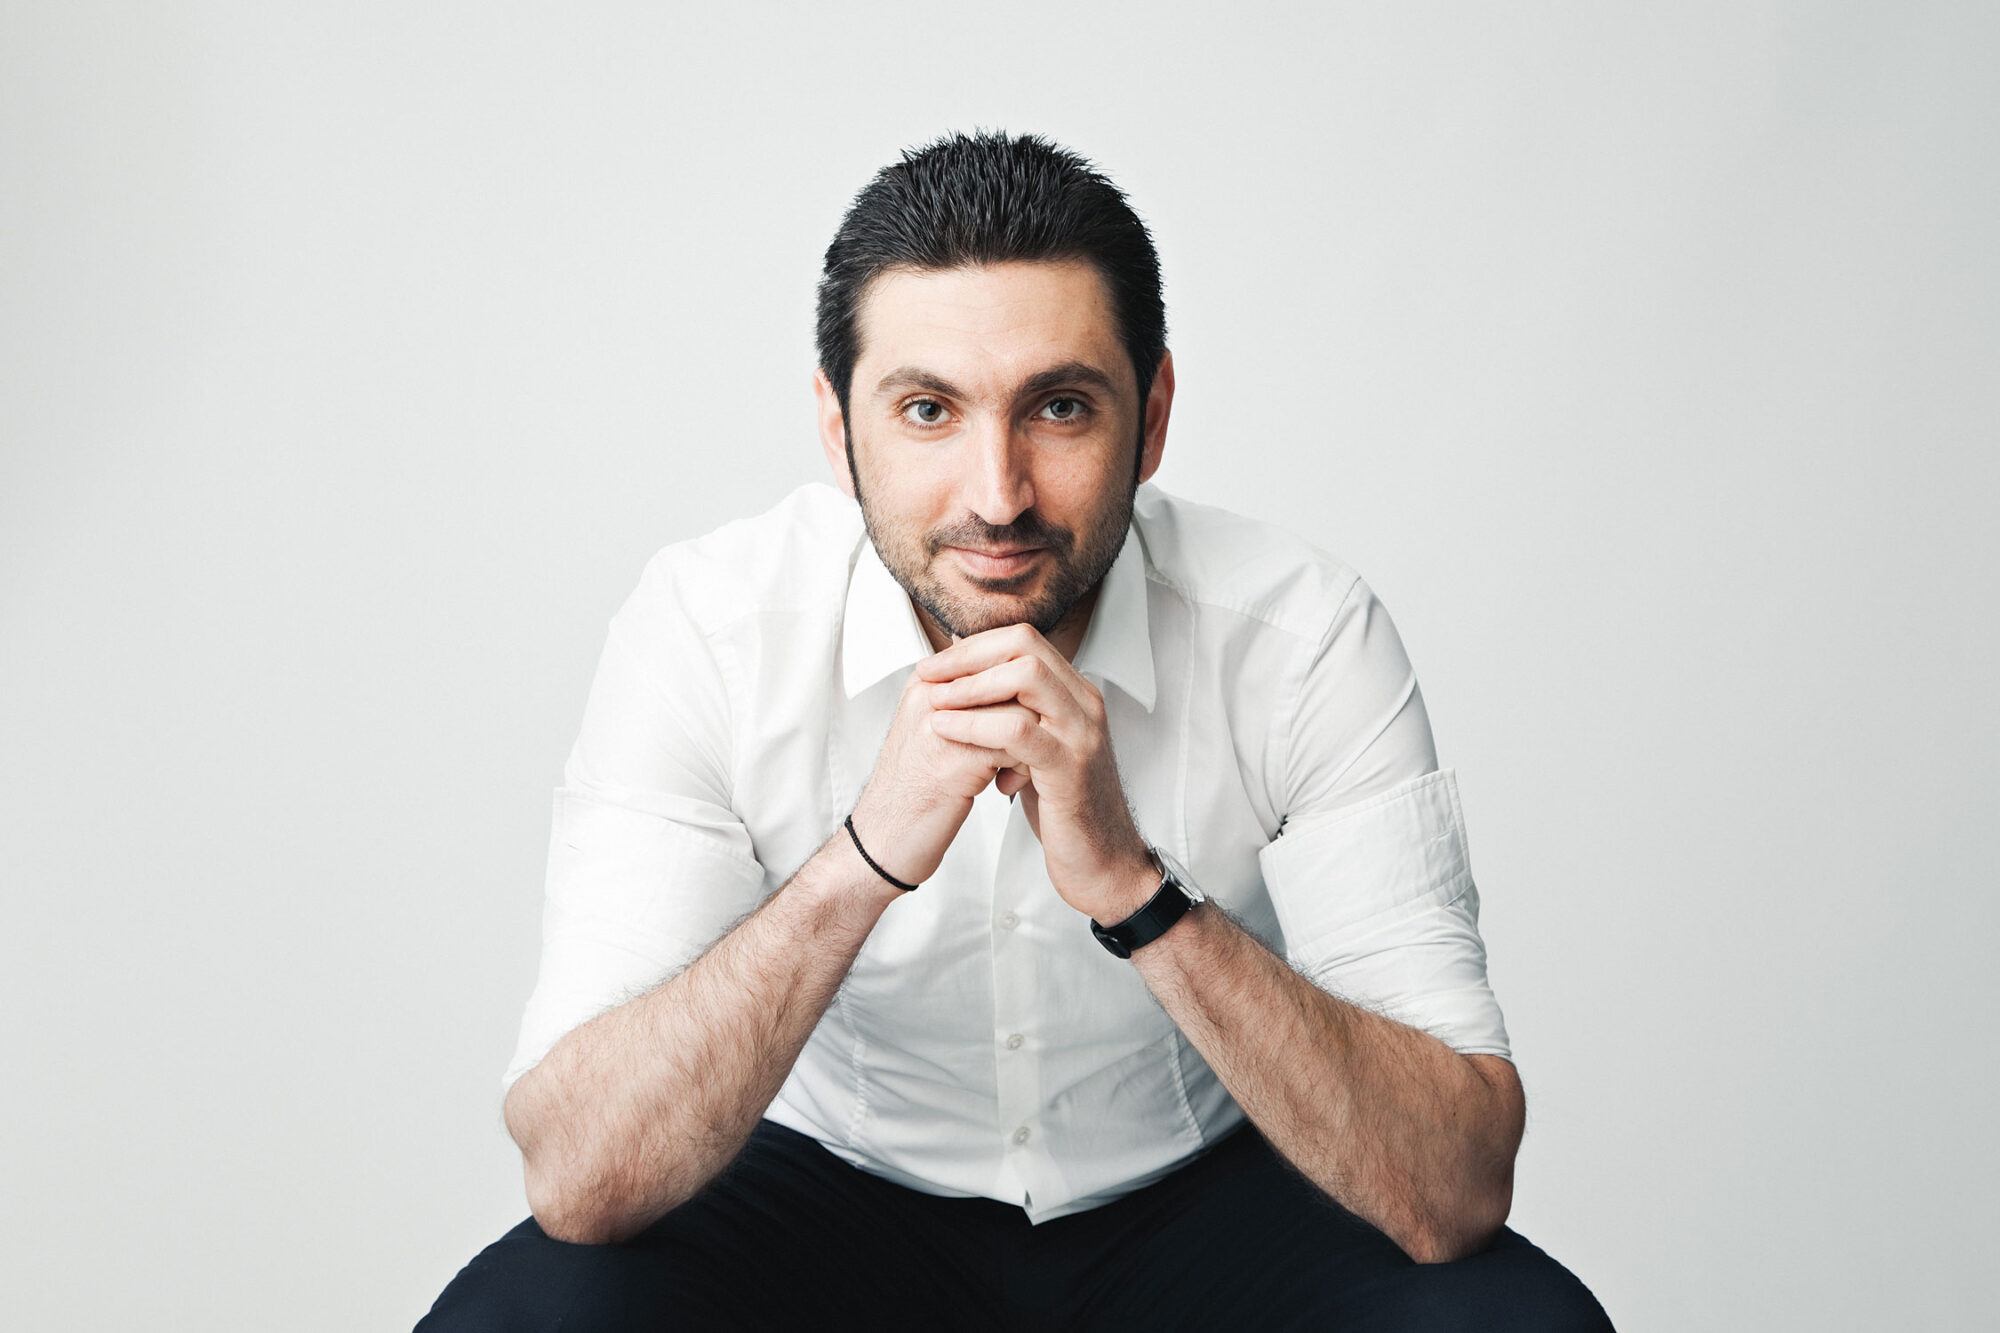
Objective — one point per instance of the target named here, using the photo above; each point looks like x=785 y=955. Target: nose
x=999 y=487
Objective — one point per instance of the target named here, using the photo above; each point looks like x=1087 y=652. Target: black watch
x=1169 y=903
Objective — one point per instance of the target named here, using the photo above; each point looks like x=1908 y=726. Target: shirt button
x=1014 y=1042
x=1021 y=1134
x=1008 y=920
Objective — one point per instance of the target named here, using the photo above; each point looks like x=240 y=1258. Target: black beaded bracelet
x=906 y=888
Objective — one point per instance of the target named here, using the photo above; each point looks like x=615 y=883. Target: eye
x=1064 y=409
x=924 y=412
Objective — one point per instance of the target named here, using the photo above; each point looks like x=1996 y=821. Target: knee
x=512 y=1286
x=1512 y=1286
x=527 y=1282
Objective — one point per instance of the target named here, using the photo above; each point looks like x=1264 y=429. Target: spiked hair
x=987 y=198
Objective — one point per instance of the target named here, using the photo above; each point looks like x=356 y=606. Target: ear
x=833 y=432
x=1159 y=406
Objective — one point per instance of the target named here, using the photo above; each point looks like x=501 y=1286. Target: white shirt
x=1269 y=734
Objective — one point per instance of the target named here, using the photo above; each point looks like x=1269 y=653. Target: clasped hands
x=1005 y=707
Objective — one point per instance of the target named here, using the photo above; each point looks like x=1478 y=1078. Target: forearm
x=1395 y=1125
x=633 y=1112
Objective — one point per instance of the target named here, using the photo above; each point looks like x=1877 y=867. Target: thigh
x=1238 y=1239
x=789 y=1236
x=528 y=1282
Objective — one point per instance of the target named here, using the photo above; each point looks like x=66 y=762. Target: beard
x=1079 y=562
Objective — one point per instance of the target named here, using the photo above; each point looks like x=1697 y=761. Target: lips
x=997 y=565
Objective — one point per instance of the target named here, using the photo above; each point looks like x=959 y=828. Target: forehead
x=992 y=324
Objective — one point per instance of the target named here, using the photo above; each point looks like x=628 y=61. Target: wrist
x=1133 y=885
x=842 y=881
x=854 y=840
x=1171 y=898
x=898 y=832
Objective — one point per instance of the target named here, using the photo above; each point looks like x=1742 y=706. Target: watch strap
x=1169 y=903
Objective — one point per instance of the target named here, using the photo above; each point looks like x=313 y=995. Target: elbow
x=560 y=1205
x=595 y=1199
x=1476 y=1214
x=1466 y=1222
x=1438 y=1249
x=558 y=1221
x=571 y=1198
x=568 y=1214
x=588 y=1201
x=1466 y=1232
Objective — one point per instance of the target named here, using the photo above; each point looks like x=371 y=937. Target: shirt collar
x=1117 y=648
x=880 y=633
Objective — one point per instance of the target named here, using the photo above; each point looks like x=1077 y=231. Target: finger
x=1014 y=731
x=1028 y=679
x=967 y=756
x=985 y=649
x=980 y=756
x=1011 y=780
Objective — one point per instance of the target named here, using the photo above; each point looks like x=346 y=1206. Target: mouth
x=1006 y=563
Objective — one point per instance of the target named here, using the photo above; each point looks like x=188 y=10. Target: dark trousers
x=791 y=1237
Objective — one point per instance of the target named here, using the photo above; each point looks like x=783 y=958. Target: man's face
x=994 y=439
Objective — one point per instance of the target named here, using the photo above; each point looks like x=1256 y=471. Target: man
x=948 y=869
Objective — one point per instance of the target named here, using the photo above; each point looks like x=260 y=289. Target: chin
x=966 y=617
x=966 y=622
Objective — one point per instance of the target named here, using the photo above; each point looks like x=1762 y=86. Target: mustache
x=1028 y=529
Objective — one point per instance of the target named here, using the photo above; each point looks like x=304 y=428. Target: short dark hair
x=988 y=198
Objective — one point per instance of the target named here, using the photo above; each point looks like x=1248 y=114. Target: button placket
x=1017 y=1080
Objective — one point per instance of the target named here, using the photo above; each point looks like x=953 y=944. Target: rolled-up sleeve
x=1370 y=875
x=648 y=864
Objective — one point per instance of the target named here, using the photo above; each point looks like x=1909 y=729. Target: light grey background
x=353 y=358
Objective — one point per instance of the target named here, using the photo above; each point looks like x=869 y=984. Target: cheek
x=1076 y=492
x=906 y=501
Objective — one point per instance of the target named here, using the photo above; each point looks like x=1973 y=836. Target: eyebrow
x=913 y=377
x=1071 y=374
